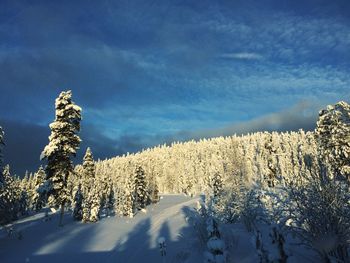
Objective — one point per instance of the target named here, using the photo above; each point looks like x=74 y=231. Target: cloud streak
x=301 y=116
x=243 y=55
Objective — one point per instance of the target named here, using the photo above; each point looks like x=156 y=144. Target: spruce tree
x=217 y=185
x=333 y=137
x=78 y=200
x=95 y=201
x=128 y=200
x=10 y=196
x=154 y=191
x=63 y=144
x=88 y=176
x=110 y=201
x=39 y=197
x=141 y=194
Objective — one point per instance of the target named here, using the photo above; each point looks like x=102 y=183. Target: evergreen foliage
x=141 y=194
x=333 y=136
x=63 y=144
x=40 y=192
x=88 y=185
x=95 y=201
x=10 y=197
x=77 y=205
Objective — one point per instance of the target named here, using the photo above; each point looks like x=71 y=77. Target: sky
x=151 y=72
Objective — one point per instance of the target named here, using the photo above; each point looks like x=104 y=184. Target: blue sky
x=149 y=72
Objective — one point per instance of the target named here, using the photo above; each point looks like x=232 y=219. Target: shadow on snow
x=76 y=242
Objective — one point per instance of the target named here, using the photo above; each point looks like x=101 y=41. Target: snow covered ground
x=112 y=239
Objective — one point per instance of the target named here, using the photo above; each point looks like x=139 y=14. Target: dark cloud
x=23 y=145
x=301 y=116
x=25 y=142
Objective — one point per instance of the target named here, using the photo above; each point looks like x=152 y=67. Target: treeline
x=189 y=167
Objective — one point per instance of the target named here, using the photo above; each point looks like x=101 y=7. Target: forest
x=280 y=186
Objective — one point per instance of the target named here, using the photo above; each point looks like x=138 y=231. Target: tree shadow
x=75 y=241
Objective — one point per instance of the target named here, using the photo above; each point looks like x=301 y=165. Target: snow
x=112 y=239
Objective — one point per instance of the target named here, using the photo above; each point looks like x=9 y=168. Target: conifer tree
x=63 y=144
x=78 y=200
x=128 y=201
x=154 y=191
x=95 y=200
x=217 y=185
x=10 y=196
x=141 y=194
x=88 y=171
x=88 y=176
x=110 y=201
x=333 y=136
x=39 y=197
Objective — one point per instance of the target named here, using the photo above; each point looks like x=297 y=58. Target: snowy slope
x=112 y=239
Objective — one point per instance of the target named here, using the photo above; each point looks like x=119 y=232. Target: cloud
x=244 y=56
x=301 y=116
x=25 y=141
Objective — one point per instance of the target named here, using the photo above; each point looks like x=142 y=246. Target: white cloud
x=242 y=55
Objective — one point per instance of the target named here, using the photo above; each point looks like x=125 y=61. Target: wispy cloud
x=243 y=55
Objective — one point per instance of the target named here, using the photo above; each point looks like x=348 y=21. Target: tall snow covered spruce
x=333 y=136
x=39 y=194
x=10 y=196
x=77 y=204
x=141 y=194
x=63 y=144
x=88 y=176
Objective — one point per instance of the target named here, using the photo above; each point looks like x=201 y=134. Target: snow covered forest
x=286 y=194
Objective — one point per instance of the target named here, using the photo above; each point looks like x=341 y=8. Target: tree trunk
x=60 y=223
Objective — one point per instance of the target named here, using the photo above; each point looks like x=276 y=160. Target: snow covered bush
x=216 y=246
x=320 y=215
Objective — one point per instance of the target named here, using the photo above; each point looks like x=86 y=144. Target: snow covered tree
x=95 y=201
x=154 y=192
x=39 y=197
x=141 y=194
x=216 y=246
x=128 y=202
x=78 y=200
x=217 y=185
x=87 y=178
x=110 y=202
x=89 y=169
x=10 y=196
x=63 y=144
x=333 y=135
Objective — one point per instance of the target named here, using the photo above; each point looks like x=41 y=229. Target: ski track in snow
x=112 y=239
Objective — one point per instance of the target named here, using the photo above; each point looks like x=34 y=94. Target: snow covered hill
x=112 y=239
